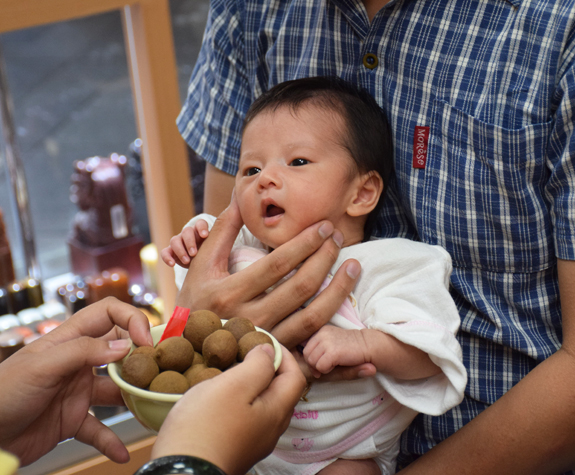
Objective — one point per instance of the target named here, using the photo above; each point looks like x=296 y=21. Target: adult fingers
x=103 y=439
x=99 y=318
x=339 y=373
x=71 y=356
x=271 y=268
x=210 y=265
x=301 y=325
x=277 y=402
x=348 y=373
x=223 y=235
x=105 y=392
x=249 y=284
x=303 y=366
x=250 y=378
x=239 y=294
x=286 y=388
x=116 y=333
x=255 y=379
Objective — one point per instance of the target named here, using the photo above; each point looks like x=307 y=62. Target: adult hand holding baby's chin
x=209 y=285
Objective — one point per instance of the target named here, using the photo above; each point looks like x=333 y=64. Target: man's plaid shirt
x=494 y=82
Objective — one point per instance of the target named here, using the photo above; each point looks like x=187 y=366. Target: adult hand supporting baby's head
x=209 y=285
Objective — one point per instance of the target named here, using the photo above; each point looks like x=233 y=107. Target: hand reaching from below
x=49 y=385
x=235 y=419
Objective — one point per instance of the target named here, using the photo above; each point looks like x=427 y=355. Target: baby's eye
x=298 y=162
x=251 y=171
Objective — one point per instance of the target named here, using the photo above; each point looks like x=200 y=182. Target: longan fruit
x=139 y=370
x=200 y=324
x=175 y=353
x=239 y=326
x=170 y=382
x=220 y=349
x=203 y=375
x=249 y=341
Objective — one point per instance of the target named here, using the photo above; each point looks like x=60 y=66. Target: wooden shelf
x=139 y=455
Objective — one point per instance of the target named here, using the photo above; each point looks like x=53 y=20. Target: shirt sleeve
x=218 y=93
x=560 y=187
x=405 y=293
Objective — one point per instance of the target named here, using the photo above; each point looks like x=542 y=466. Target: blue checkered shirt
x=494 y=82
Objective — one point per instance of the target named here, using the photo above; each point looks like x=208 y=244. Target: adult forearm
x=530 y=430
x=218 y=188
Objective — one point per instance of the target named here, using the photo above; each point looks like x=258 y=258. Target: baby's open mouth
x=273 y=210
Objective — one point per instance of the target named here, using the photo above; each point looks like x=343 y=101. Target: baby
x=315 y=149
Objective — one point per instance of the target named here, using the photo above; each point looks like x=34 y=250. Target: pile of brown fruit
x=205 y=350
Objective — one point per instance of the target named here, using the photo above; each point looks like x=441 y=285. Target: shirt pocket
x=483 y=194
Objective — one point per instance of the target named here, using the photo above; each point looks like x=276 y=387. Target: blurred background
x=72 y=98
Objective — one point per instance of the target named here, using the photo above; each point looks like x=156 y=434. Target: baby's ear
x=368 y=190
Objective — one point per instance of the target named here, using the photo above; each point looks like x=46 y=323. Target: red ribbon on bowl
x=176 y=324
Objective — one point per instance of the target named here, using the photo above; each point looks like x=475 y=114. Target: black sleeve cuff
x=176 y=464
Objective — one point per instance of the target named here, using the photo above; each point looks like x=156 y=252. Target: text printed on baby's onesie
x=305 y=414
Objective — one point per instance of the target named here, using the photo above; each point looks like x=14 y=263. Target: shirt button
x=370 y=61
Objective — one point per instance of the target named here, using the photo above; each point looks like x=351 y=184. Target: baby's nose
x=269 y=177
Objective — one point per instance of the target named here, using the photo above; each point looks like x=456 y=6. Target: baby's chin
x=271 y=245
x=273 y=242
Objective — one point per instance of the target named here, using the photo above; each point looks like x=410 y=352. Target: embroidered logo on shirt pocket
x=484 y=192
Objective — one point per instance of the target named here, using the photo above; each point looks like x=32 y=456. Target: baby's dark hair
x=368 y=137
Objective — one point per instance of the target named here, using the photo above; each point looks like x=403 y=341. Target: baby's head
x=313 y=149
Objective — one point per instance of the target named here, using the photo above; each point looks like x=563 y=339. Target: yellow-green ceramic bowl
x=151 y=408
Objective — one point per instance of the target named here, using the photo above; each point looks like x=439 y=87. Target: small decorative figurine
x=101 y=235
x=99 y=190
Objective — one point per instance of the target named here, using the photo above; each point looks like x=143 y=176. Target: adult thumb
x=224 y=231
x=71 y=356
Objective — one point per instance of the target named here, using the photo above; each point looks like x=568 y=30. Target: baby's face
x=293 y=172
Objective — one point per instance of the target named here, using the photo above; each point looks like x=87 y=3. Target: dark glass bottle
x=6 y=265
